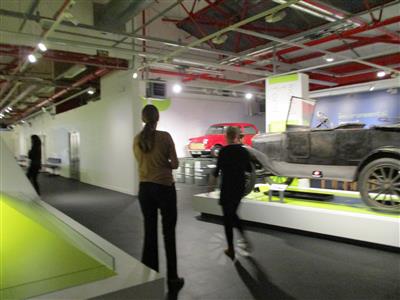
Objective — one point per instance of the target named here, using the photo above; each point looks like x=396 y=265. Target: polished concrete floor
x=284 y=264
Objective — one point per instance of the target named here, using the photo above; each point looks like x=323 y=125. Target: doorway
x=74 y=160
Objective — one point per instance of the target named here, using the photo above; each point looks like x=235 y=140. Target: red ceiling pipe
x=356 y=19
x=97 y=74
x=215 y=79
x=331 y=38
x=353 y=67
x=333 y=49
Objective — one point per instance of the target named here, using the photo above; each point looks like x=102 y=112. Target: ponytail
x=150 y=116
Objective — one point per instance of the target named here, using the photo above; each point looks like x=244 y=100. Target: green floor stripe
x=357 y=208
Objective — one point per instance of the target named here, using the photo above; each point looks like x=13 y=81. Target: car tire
x=279 y=180
x=379 y=184
x=215 y=150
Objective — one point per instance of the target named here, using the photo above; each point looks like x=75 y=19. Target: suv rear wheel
x=379 y=184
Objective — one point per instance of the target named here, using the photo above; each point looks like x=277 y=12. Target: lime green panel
x=283 y=79
x=35 y=260
x=260 y=196
x=161 y=104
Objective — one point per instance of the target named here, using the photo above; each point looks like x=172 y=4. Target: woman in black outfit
x=35 y=156
x=233 y=162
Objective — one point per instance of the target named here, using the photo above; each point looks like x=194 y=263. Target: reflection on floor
x=284 y=265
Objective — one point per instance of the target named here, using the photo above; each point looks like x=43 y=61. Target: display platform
x=345 y=216
x=46 y=255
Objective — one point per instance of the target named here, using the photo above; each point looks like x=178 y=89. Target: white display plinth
x=357 y=226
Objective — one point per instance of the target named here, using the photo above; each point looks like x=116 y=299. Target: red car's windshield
x=217 y=129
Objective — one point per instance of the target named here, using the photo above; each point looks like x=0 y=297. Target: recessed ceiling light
x=32 y=58
x=177 y=88
x=381 y=74
x=42 y=47
x=329 y=59
x=248 y=96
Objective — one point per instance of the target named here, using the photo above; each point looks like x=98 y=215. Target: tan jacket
x=156 y=166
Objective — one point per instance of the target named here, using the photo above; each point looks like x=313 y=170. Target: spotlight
x=135 y=75
x=177 y=88
x=371 y=88
x=6 y=110
x=91 y=91
x=381 y=74
x=9 y=108
x=329 y=58
x=42 y=47
x=248 y=96
x=32 y=58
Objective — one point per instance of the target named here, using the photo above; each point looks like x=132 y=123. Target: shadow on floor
x=259 y=284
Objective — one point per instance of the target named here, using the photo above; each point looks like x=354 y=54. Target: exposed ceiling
x=230 y=43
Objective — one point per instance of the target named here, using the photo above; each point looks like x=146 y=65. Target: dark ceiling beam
x=67 y=57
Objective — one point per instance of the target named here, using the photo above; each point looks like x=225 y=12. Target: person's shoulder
x=164 y=135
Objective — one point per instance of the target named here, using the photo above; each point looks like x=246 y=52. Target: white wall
x=191 y=115
x=106 y=130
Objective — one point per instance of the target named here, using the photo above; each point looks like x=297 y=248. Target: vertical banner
x=278 y=92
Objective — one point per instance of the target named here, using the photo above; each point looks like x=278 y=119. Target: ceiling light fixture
x=32 y=58
x=220 y=39
x=9 y=108
x=371 y=88
x=42 y=47
x=177 y=88
x=135 y=75
x=308 y=11
x=248 y=96
x=91 y=91
x=276 y=17
x=329 y=58
x=381 y=74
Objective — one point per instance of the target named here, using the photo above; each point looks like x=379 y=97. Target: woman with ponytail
x=156 y=156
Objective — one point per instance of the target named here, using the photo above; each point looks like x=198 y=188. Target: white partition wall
x=278 y=92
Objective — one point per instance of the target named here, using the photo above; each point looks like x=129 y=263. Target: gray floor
x=284 y=265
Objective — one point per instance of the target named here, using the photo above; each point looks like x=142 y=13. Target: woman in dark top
x=233 y=162
x=35 y=156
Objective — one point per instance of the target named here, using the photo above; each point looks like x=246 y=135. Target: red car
x=214 y=139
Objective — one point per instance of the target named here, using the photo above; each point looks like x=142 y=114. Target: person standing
x=35 y=156
x=233 y=162
x=155 y=153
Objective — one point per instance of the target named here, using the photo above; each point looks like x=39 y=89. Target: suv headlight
x=205 y=141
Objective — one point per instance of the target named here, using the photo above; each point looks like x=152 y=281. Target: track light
x=381 y=74
x=42 y=47
x=248 y=96
x=91 y=91
x=32 y=58
x=177 y=88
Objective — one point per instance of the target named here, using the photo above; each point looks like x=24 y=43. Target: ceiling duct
x=116 y=13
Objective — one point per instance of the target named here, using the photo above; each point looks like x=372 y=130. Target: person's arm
x=212 y=180
x=247 y=165
x=172 y=157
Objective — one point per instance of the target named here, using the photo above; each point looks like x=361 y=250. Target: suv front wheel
x=379 y=184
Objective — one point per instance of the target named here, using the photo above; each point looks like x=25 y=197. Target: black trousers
x=230 y=205
x=154 y=197
x=32 y=175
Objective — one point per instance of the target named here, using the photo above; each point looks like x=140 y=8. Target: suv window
x=249 y=130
